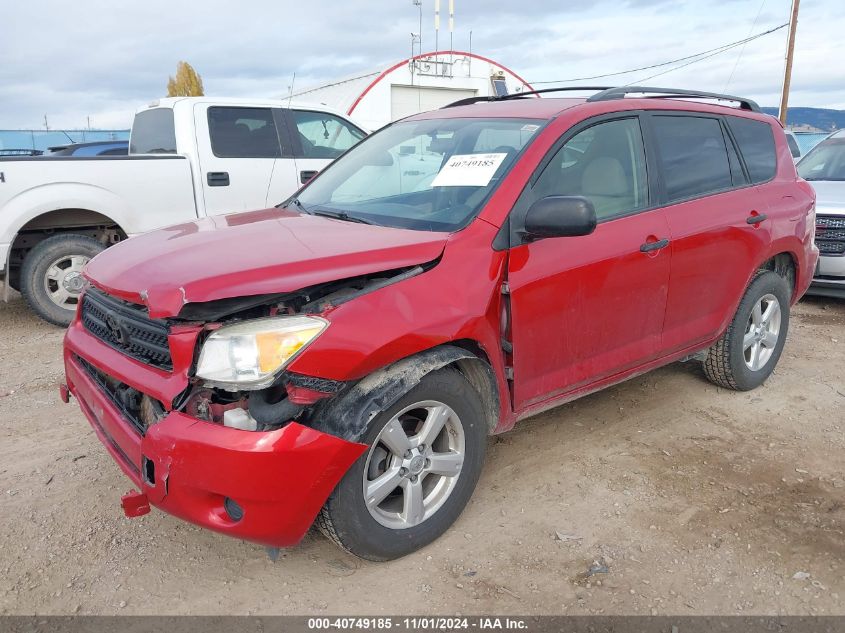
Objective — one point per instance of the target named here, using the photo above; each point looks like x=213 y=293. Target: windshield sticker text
x=468 y=170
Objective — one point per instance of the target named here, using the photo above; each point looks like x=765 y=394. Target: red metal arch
x=431 y=54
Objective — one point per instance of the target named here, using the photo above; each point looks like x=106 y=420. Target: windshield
x=826 y=161
x=431 y=175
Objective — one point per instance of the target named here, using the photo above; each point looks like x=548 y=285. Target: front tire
x=749 y=350
x=425 y=457
x=51 y=279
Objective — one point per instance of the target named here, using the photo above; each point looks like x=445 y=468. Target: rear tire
x=438 y=427
x=749 y=350
x=51 y=279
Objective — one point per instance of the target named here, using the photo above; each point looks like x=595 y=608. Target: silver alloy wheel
x=414 y=464
x=761 y=332
x=63 y=280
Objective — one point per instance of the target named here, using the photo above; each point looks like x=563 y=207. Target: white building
x=423 y=82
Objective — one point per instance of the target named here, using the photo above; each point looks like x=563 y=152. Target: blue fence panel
x=44 y=139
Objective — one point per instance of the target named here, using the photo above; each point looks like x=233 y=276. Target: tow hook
x=134 y=504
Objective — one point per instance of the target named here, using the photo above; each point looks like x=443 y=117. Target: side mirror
x=560 y=216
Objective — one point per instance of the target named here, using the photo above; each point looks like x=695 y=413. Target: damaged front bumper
x=265 y=487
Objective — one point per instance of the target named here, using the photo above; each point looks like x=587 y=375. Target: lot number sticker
x=468 y=170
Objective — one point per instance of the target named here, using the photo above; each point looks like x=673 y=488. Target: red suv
x=343 y=357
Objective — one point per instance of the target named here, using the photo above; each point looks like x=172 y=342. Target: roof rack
x=520 y=95
x=668 y=93
x=605 y=93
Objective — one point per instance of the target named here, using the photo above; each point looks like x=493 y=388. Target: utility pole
x=787 y=73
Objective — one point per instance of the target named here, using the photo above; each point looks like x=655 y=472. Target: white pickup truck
x=188 y=157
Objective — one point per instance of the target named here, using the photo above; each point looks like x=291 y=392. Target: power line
x=695 y=58
x=742 y=50
x=665 y=72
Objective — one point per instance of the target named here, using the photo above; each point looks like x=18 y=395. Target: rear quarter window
x=757 y=146
x=153 y=132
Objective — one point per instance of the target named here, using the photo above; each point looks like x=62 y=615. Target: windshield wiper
x=326 y=213
x=340 y=215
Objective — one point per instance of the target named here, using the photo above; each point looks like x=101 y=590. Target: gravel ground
x=682 y=498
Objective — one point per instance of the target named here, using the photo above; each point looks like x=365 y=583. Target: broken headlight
x=248 y=355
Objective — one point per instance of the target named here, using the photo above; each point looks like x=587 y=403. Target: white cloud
x=102 y=58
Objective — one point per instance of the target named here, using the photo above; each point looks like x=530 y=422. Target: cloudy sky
x=104 y=58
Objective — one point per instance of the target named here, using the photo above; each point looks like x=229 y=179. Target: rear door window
x=323 y=135
x=692 y=156
x=757 y=146
x=153 y=132
x=243 y=133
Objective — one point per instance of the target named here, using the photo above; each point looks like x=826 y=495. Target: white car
x=824 y=168
x=188 y=157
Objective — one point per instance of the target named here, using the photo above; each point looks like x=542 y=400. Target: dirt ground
x=684 y=499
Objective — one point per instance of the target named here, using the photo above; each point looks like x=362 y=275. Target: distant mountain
x=822 y=119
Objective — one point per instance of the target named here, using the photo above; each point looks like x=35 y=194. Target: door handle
x=649 y=247
x=306 y=175
x=217 y=178
x=756 y=218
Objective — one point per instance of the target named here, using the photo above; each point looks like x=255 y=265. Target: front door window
x=605 y=164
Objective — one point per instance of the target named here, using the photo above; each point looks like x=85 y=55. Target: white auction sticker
x=468 y=170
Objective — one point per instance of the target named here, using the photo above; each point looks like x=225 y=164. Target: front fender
x=457 y=300
x=348 y=415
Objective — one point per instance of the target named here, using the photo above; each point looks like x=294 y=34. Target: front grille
x=837 y=235
x=830 y=221
x=127 y=328
x=124 y=397
x=830 y=234
x=831 y=248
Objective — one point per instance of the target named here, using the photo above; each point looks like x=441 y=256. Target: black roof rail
x=604 y=93
x=668 y=93
x=520 y=95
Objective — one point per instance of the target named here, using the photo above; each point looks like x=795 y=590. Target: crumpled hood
x=261 y=252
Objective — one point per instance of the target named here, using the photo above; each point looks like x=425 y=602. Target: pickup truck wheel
x=51 y=275
x=425 y=456
x=748 y=351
